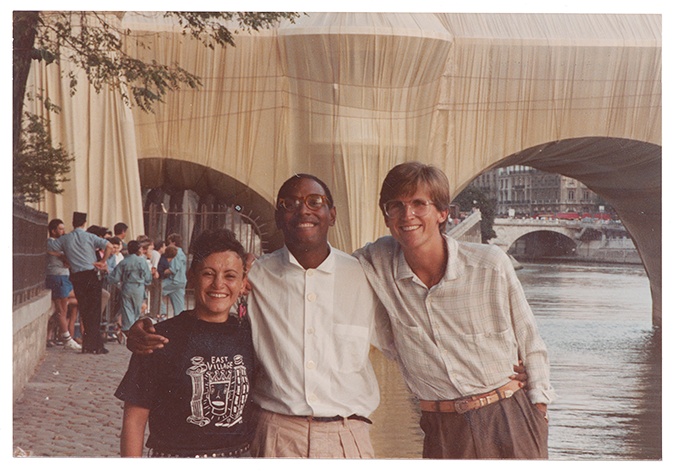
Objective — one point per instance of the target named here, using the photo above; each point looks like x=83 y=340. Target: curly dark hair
x=211 y=241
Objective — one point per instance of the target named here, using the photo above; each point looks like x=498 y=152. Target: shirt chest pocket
x=351 y=345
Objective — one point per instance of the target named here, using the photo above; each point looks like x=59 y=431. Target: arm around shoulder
x=142 y=337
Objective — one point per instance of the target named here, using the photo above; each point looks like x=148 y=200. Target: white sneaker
x=71 y=345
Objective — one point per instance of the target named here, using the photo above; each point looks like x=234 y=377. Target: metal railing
x=159 y=223
x=29 y=252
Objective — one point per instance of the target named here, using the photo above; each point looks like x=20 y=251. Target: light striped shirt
x=462 y=336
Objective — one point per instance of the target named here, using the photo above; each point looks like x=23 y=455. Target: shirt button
x=312 y=398
x=311 y=297
x=445 y=352
x=309 y=272
x=310 y=331
x=310 y=365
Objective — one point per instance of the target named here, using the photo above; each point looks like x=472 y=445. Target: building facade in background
x=523 y=191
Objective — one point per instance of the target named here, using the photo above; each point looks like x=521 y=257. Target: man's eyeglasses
x=396 y=208
x=312 y=202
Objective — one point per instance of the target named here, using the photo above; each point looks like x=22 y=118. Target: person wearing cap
x=460 y=320
x=79 y=247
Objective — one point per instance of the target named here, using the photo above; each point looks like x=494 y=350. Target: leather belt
x=471 y=403
x=329 y=419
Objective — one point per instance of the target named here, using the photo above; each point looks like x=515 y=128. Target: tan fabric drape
x=98 y=129
x=346 y=96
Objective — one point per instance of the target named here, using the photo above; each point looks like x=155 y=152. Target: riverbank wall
x=606 y=251
x=627 y=257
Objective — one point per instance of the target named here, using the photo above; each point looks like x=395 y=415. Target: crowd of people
x=95 y=271
x=273 y=361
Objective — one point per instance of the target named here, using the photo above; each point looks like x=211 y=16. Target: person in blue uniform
x=195 y=391
x=174 y=284
x=133 y=273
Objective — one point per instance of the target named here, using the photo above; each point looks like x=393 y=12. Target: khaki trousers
x=300 y=437
x=509 y=429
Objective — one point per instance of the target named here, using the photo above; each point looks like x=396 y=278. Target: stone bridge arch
x=543 y=243
x=626 y=173
x=509 y=231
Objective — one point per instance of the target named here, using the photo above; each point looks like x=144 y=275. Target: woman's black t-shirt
x=196 y=387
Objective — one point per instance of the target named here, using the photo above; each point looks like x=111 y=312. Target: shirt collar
x=327 y=266
x=402 y=269
x=453 y=267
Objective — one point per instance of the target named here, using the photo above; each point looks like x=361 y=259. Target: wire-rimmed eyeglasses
x=312 y=202
x=396 y=208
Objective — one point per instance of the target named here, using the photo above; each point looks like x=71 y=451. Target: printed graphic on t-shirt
x=219 y=390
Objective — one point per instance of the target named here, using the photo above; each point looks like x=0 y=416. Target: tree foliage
x=94 y=43
x=38 y=165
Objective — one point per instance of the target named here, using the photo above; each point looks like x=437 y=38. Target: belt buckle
x=461 y=406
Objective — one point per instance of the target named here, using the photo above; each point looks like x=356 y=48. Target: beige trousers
x=301 y=437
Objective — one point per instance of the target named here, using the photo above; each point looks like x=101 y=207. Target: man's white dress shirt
x=462 y=336
x=312 y=331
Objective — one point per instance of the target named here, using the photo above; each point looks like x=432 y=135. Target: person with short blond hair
x=461 y=321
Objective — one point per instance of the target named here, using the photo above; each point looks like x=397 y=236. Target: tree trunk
x=25 y=28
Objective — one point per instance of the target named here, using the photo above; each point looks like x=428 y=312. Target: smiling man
x=460 y=320
x=313 y=318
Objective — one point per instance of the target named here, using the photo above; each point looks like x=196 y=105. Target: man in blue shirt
x=79 y=248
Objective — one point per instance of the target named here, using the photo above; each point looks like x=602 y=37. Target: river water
x=605 y=367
